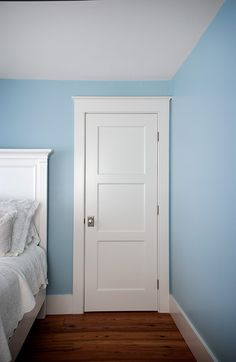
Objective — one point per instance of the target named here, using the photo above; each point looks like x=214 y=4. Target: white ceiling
x=100 y=39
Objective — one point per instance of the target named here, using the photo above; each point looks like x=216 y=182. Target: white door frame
x=159 y=106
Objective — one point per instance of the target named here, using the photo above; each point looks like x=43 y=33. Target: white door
x=121 y=200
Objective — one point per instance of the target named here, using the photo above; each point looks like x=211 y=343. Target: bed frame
x=23 y=174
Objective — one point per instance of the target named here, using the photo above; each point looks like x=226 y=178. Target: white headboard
x=23 y=174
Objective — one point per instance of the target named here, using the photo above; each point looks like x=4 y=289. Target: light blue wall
x=203 y=185
x=39 y=114
x=203 y=173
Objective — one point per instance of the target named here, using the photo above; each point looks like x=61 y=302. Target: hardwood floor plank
x=113 y=336
x=110 y=335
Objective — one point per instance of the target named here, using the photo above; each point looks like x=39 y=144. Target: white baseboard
x=59 y=304
x=199 y=348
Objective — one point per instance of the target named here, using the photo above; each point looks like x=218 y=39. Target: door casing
x=159 y=106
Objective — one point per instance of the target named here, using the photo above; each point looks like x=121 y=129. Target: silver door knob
x=90 y=221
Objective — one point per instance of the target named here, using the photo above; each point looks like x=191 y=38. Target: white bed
x=23 y=279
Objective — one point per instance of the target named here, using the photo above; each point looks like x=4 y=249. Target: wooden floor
x=129 y=336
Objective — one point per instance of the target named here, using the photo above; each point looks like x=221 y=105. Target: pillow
x=25 y=212
x=6 y=227
x=33 y=236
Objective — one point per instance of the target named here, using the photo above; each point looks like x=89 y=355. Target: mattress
x=21 y=278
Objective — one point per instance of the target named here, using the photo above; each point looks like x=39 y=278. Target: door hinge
x=158 y=136
x=84 y=220
x=157 y=284
x=158 y=209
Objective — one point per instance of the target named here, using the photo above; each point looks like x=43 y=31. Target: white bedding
x=21 y=278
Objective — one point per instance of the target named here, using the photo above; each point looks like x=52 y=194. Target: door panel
x=117 y=141
x=124 y=199
x=117 y=268
x=121 y=194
